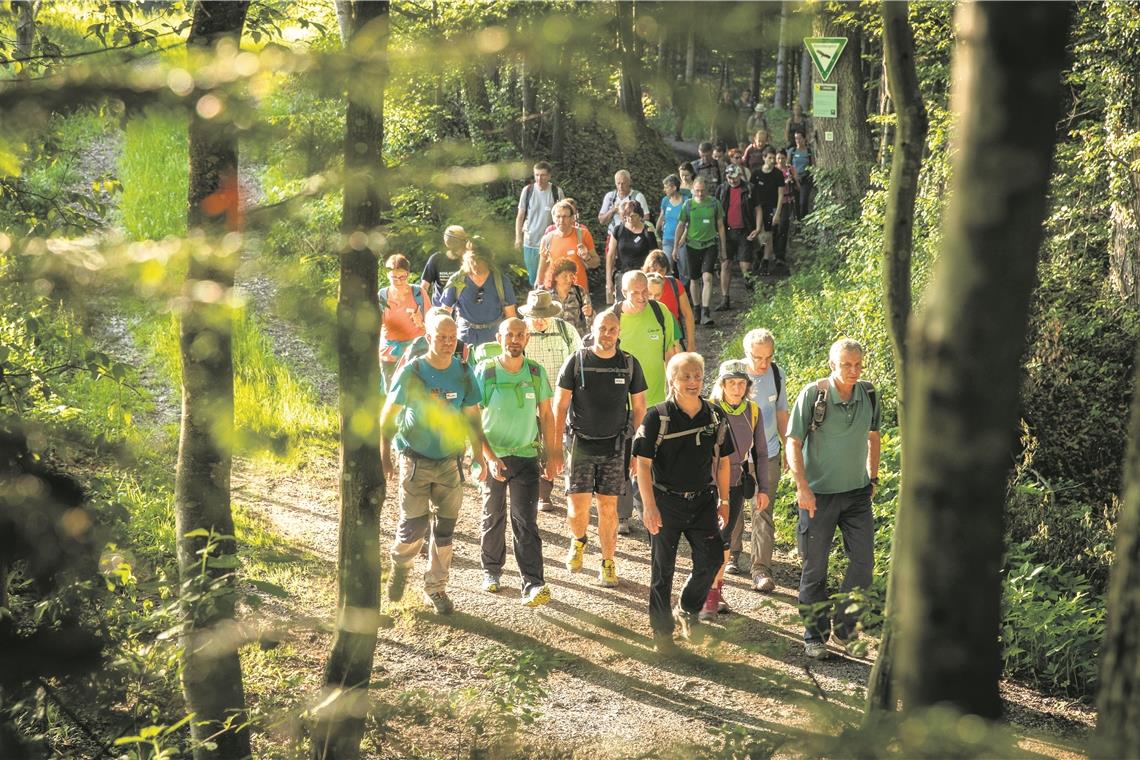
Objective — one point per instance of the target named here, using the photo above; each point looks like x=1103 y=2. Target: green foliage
x=154 y=174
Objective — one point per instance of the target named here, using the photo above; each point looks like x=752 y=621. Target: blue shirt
x=480 y=304
x=801 y=160
x=672 y=216
x=764 y=394
x=432 y=423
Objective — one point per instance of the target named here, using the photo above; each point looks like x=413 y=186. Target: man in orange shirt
x=567 y=241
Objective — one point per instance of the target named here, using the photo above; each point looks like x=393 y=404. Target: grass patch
x=155 y=172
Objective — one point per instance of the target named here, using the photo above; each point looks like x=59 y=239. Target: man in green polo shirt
x=700 y=229
x=833 y=454
x=651 y=335
x=515 y=398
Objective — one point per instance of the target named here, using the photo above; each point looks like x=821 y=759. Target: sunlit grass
x=154 y=171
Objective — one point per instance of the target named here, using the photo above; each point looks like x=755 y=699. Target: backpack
x=663 y=433
x=696 y=167
x=459 y=282
x=657 y=312
x=489 y=373
x=555 y=193
x=419 y=347
x=580 y=355
x=778 y=377
x=819 y=407
x=417 y=293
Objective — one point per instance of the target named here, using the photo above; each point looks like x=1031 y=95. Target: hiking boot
x=712 y=603
x=440 y=601
x=724 y=305
x=763 y=584
x=722 y=606
x=663 y=644
x=816 y=650
x=688 y=625
x=765 y=268
x=575 y=554
x=732 y=567
x=397 y=580
x=623 y=527
x=706 y=320
x=544 y=505
x=491 y=583
x=607 y=576
x=536 y=596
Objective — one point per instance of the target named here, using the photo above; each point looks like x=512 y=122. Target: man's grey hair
x=630 y=277
x=622 y=173
x=757 y=336
x=676 y=364
x=841 y=345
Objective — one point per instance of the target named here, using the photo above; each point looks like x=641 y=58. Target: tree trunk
x=806 y=69
x=629 y=95
x=965 y=353
x=690 y=57
x=662 y=53
x=340 y=723
x=1118 y=709
x=886 y=107
x=1124 y=243
x=849 y=154
x=344 y=19
x=207 y=551
x=898 y=239
x=780 y=98
x=558 y=121
x=529 y=87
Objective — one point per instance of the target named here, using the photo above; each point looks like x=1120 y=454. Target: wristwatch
x=875 y=481
x=724 y=502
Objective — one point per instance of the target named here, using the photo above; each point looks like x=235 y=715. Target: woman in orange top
x=402 y=314
x=566 y=241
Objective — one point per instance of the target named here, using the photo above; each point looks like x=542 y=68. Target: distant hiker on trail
x=535 y=202
x=667 y=216
x=682 y=98
x=802 y=160
x=736 y=158
x=746 y=108
x=430 y=413
x=568 y=241
x=610 y=214
x=742 y=225
x=652 y=336
x=782 y=224
x=401 y=313
x=442 y=264
x=552 y=340
x=599 y=401
x=768 y=187
x=630 y=243
x=687 y=174
x=797 y=122
x=517 y=422
x=674 y=297
x=706 y=167
x=756 y=121
x=767 y=390
x=747 y=479
x=682 y=449
x=480 y=295
x=724 y=121
x=753 y=156
x=701 y=231
x=833 y=453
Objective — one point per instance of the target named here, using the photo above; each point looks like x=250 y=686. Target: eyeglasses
x=398 y=277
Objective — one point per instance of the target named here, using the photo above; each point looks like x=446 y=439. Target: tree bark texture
x=964 y=355
x=340 y=723
x=898 y=243
x=26 y=12
x=690 y=57
x=207 y=551
x=1118 y=699
x=780 y=98
x=1123 y=123
x=806 y=69
x=529 y=86
x=629 y=94
x=558 y=120
x=849 y=154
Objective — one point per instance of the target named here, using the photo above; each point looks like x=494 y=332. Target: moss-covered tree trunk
x=1118 y=699
x=965 y=350
x=340 y=721
x=849 y=153
x=207 y=551
x=898 y=243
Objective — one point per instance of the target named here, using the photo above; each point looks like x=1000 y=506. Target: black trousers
x=522 y=487
x=696 y=521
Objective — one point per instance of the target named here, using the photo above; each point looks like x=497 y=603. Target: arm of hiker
x=759 y=223
x=649 y=513
x=781 y=430
x=519 y=219
x=388 y=417
x=682 y=232
x=723 y=478
x=637 y=416
x=611 y=254
x=804 y=496
x=550 y=443
x=690 y=322
x=561 y=407
x=874 y=446
x=481 y=453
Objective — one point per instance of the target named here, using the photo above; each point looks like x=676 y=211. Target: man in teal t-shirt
x=833 y=454
x=652 y=343
x=515 y=395
x=430 y=413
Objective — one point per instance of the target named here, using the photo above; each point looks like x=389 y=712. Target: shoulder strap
x=490 y=380
x=754 y=412
x=820 y=399
x=666 y=344
x=778 y=377
x=497 y=276
x=663 y=426
x=526 y=198
x=457 y=280
x=382 y=295
x=676 y=293
x=872 y=394
x=562 y=330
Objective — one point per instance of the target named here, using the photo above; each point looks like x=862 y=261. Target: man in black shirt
x=677 y=447
x=601 y=391
x=442 y=264
x=768 y=194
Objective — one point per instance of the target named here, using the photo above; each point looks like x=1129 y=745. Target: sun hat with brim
x=541 y=305
x=733 y=369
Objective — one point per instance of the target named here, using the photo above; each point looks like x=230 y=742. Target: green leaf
x=197 y=533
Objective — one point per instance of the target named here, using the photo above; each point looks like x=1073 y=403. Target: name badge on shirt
x=773 y=398
x=619 y=381
x=654 y=336
x=451 y=395
x=530 y=394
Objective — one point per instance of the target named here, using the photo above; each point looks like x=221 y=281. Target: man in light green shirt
x=651 y=335
x=833 y=454
x=514 y=394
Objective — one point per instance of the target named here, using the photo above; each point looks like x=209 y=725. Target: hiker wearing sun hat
x=552 y=340
x=746 y=479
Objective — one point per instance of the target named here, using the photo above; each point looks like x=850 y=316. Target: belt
x=413 y=454
x=479 y=325
x=686 y=495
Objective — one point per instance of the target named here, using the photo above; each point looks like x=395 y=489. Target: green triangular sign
x=825 y=52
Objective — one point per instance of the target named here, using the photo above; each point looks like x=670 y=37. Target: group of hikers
x=611 y=399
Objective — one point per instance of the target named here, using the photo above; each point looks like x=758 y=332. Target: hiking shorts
x=603 y=474
x=739 y=246
x=702 y=260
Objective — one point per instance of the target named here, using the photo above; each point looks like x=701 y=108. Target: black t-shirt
x=767 y=192
x=684 y=463
x=438 y=269
x=632 y=248
x=598 y=411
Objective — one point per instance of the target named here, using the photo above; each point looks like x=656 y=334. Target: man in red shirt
x=742 y=222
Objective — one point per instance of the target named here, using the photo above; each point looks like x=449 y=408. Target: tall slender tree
x=340 y=722
x=629 y=93
x=780 y=98
x=207 y=551
x=964 y=354
x=898 y=243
